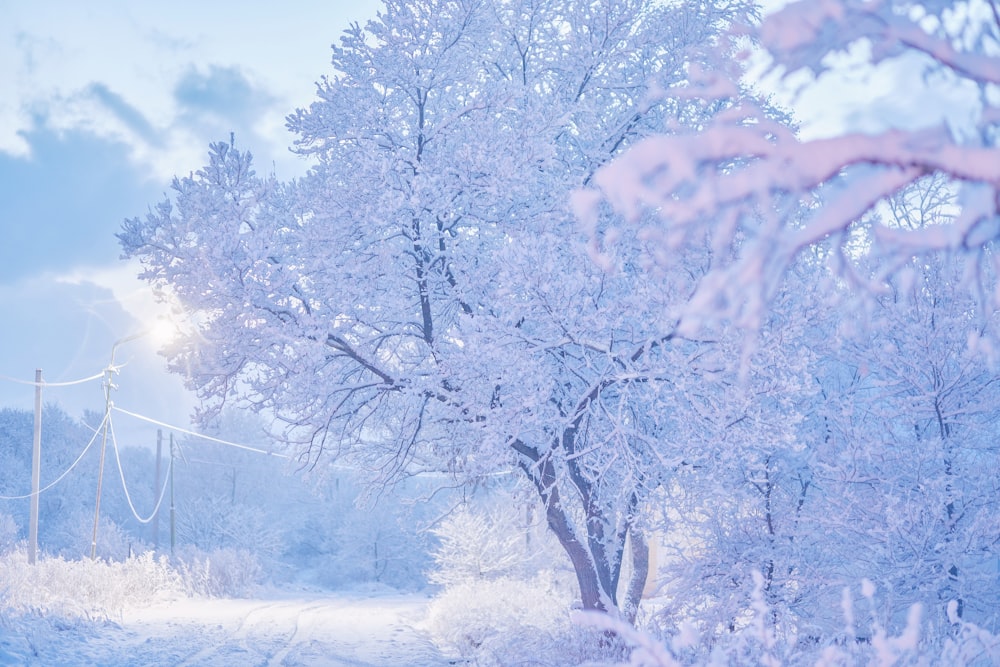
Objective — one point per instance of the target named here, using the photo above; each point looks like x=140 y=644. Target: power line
x=266 y=452
x=199 y=435
x=121 y=474
x=218 y=464
x=79 y=458
x=45 y=383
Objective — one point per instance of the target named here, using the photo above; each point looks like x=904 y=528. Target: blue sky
x=101 y=103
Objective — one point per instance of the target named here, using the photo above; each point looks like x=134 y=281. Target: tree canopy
x=420 y=299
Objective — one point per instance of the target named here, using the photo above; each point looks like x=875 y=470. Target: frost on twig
x=763 y=197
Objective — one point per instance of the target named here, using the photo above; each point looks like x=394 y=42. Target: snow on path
x=302 y=629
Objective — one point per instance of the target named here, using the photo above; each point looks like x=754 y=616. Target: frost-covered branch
x=761 y=196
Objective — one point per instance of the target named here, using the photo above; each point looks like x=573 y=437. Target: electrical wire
x=199 y=435
x=121 y=474
x=79 y=458
x=45 y=383
x=217 y=464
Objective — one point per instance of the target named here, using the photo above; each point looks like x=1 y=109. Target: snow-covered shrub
x=866 y=639
x=8 y=533
x=508 y=588
x=213 y=522
x=346 y=539
x=72 y=538
x=507 y=621
x=498 y=538
x=83 y=588
x=376 y=546
x=477 y=545
x=971 y=645
x=218 y=573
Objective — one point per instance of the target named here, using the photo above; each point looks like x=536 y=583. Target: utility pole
x=156 y=489
x=104 y=448
x=108 y=386
x=172 y=530
x=36 y=470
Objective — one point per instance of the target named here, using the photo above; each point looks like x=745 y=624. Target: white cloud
x=134 y=296
x=53 y=53
x=12 y=142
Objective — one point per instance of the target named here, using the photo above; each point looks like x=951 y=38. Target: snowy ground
x=280 y=628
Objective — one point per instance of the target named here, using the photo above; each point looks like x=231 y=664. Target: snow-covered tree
x=69 y=479
x=421 y=299
x=910 y=453
x=890 y=475
x=764 y=195
x=734 y=511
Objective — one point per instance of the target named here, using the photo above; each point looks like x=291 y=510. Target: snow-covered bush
x=213 y=522
x=507 y=621
x=219 y=573
x=8 y=533
x=376 y=545
x=83 y=588
x=506 y=600
x=488 y=543
x=867 y=639
x=72 y=538
x=345 y=539
x=971 y=645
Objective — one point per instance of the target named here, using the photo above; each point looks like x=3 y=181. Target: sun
x=162 y=331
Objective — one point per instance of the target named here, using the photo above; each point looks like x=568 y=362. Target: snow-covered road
x=284 y=629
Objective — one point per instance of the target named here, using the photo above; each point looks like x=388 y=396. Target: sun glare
x=162 y=332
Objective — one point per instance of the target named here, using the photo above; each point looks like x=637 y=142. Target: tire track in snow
x=239 y=635
x=299 y=635
x=329 y=630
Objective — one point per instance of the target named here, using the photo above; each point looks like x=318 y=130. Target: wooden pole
x=156 y=488
x=36 y=470
x=104 y=448
x=172 y=524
